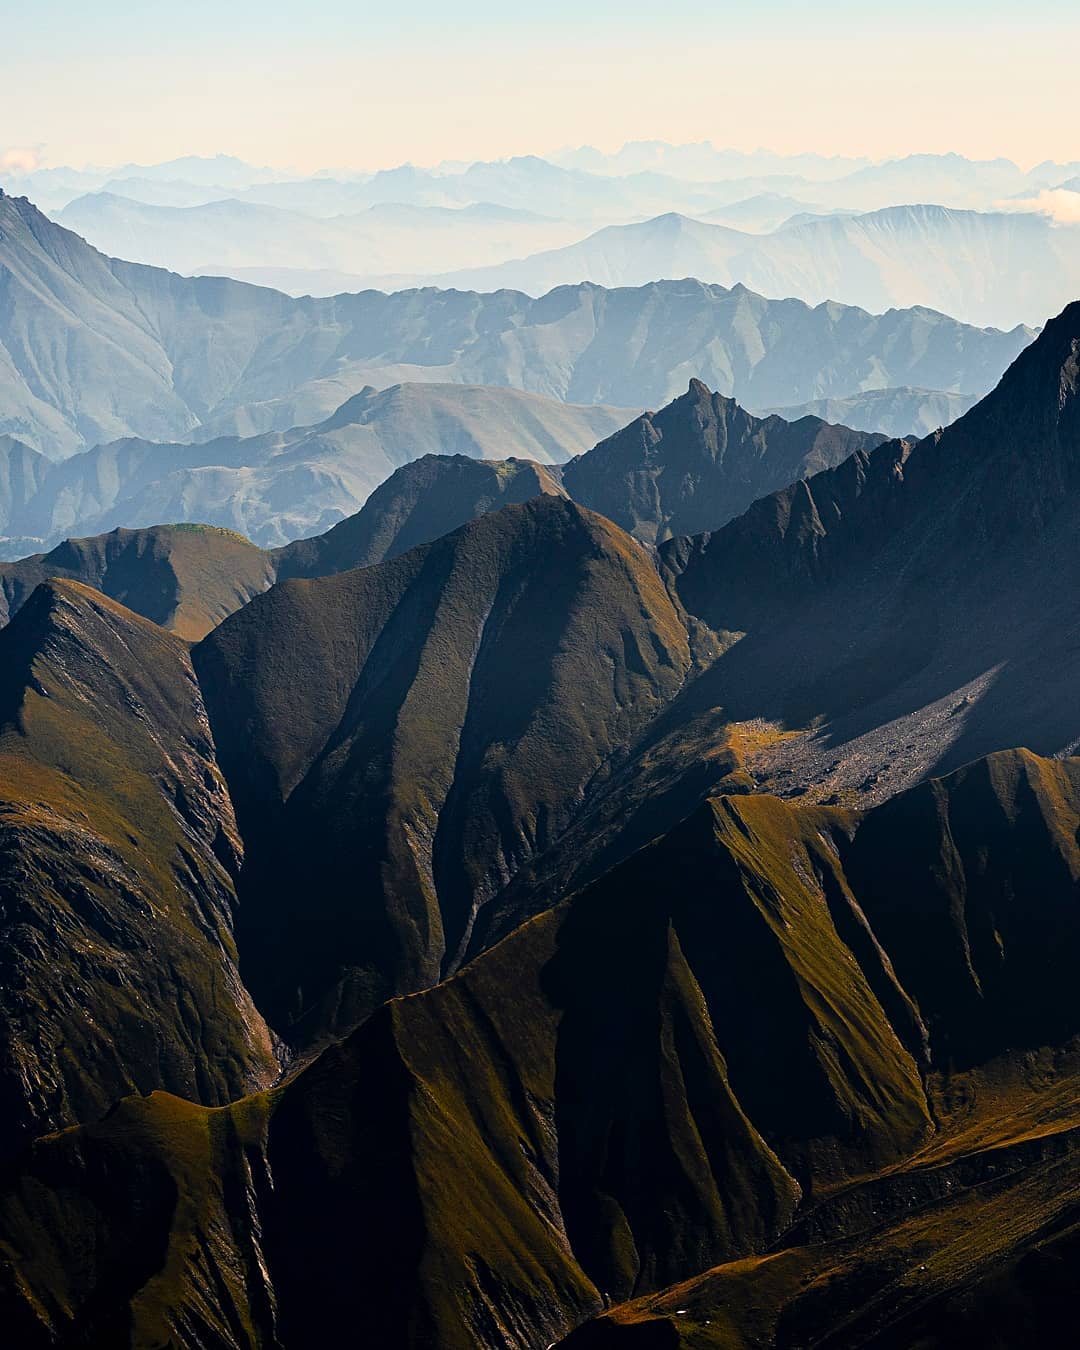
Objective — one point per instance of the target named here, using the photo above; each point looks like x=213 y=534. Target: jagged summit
x=701 y=461
x=911 y=581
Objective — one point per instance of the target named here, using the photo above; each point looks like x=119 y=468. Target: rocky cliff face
x=118 y=859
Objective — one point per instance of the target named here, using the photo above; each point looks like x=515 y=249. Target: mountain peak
x=430 y=711
x=699 y=462
x=184 y=577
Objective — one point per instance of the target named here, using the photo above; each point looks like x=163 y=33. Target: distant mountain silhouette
x=985 y=268
x=896 y=412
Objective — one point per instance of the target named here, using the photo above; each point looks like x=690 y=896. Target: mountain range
x=233 y=237
x=283 y=485
x=92 y=349
x=986 y=268
x=455 y=757
x=697 y=463
x=573 y=184
x=622 y=893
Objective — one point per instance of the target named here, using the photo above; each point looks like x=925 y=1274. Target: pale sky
x=337 y=84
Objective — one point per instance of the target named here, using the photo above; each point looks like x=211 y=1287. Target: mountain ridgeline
x=699 y=462
x=593 y=1108
x=133 y=351
x=715 y=459
x=631 y=901
x=284 y=485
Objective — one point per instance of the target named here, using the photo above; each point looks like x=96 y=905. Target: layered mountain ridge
x=985 y=267
x=279 y=486
x=715 y=458
x=135 y=351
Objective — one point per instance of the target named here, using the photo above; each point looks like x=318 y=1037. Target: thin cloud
x=1061 y=205
x=19 y=159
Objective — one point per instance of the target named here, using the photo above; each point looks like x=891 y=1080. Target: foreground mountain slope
x=699 y=462
x=118 y=853
x=595 y=1107
x=279 y=486
x=426 y=725
x=93 y=349
x=187 y=578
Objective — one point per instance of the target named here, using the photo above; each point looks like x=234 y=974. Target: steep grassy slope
x=699 y=462
x=743 y=1069
x=978 y=1251
x=186 y=578
x=424 y=727
x=92 y=349
x=118 y=853
x=420 y=502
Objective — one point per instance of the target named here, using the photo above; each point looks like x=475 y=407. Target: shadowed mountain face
x=92 y=349
x=699 y=462
x=595 y=1107
x=186 y=578
x=919 y=601
x=426 y=726
x=118 y=855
